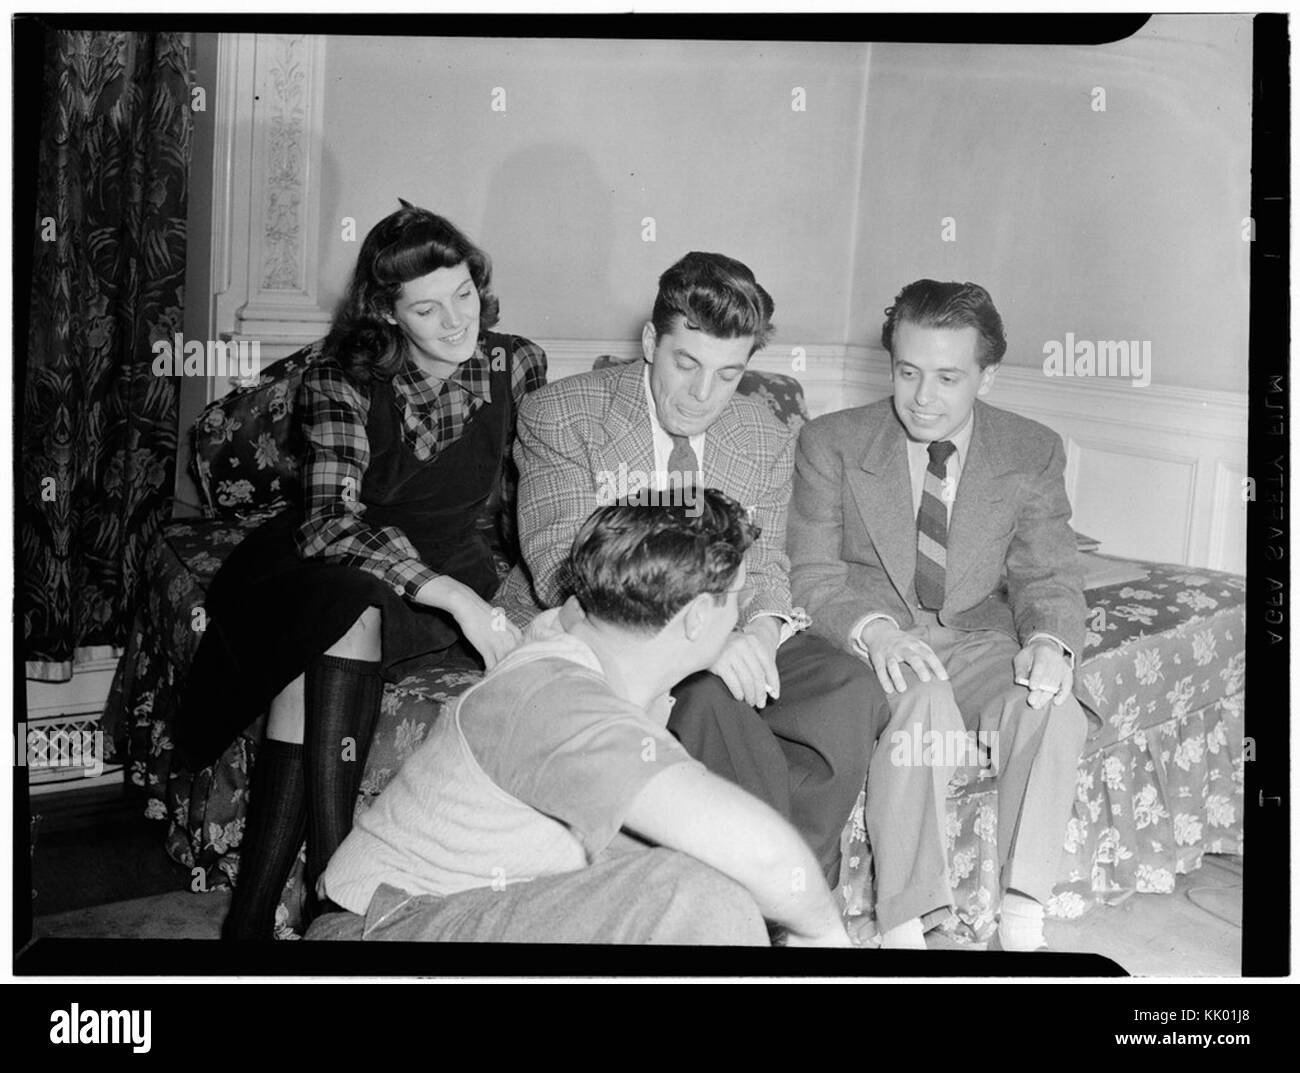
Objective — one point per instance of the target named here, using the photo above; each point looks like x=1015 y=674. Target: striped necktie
x=683 y=466
x=932 y=528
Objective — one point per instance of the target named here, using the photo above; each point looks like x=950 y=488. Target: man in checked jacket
x=780 y=712
x=929 y=536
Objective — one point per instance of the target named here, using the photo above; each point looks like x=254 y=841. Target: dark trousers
x=806 y=754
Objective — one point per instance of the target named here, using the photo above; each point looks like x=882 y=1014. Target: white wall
x=596 y=136
x=1122 y=224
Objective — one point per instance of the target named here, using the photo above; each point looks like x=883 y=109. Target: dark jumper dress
x=270 y=612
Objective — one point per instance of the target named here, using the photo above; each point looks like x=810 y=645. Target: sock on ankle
x=273 y=834
x=905 y=936
x=1021 y=925
x=342 y=699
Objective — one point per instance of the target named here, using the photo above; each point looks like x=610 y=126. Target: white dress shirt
x=663 y=445
x=918 y=461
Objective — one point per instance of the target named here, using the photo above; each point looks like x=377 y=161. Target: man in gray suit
x=929 y=536
x=780 y=712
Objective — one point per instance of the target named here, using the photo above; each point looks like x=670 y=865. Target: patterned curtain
x=98 y=428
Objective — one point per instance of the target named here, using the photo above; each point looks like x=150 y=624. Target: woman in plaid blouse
x=409 y=419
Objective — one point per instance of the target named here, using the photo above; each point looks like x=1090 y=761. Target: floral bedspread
x=1160 y=784
x=1161 y=780
x=204 y=810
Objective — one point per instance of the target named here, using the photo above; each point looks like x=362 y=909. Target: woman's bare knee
x=362 y=639
x=286 y=720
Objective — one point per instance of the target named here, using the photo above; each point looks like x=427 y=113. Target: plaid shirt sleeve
x=334 y=422
x=767 y=562
x=528 y=372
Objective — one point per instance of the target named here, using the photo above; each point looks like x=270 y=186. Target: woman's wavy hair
x=408 y=244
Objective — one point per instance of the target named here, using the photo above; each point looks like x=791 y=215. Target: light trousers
x=1034 y=752
x=642 y=895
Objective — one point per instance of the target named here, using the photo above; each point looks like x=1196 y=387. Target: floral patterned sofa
x=1161 y=781
x=1160 y=784
x=247 y=460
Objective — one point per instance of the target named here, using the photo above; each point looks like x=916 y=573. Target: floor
x=1196 y=931
x=99 y=871
x=95 y=847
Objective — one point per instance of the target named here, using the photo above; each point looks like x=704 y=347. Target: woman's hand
x=485 y=627
x=488 y=630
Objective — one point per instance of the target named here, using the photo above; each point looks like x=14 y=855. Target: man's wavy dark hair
x=405 y=245
x=927 y=303
x=636 y=566
x=716 y=294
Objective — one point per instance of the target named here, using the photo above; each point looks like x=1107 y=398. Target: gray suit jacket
x=852 y=530
x=576 y=433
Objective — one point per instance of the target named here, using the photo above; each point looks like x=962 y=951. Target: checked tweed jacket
x=576 y=432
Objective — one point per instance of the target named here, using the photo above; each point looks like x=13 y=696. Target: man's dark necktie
x=683 y=466
x=932 y=528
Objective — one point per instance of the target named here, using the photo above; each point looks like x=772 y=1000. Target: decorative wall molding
x=1227 y=539
x=284 y=222
x=288 y=148
x=264 y=256
x=1219 y=415
x=1119 y=474
x=231 y=161
x=1153 y=472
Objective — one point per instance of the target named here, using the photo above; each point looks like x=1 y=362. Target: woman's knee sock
x=342 y=705
x=273 y=834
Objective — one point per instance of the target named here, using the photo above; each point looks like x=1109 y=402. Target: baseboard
x=61 y=738
x=89 y=685
x=1179 y=453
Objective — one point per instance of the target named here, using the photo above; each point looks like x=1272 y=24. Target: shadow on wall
x=549 y=225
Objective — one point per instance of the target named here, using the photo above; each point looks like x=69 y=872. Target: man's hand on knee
x=747 y=665
x=890 y=649
x=1043 y=668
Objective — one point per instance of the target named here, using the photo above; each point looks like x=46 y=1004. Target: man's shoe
x=996 y=944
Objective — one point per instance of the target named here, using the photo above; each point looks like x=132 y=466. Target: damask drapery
x=98 y=427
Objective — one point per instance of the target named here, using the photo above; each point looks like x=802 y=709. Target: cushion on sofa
x=247 y=447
